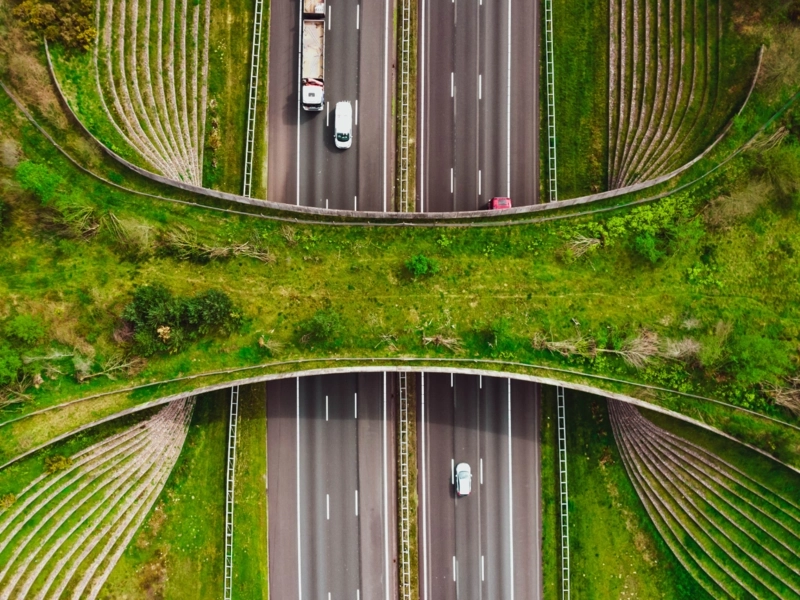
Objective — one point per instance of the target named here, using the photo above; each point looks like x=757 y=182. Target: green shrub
x=164 y=323
x=324 y=328
x=38 y=179
x=25 y=328
x=756 y=359
x=646 y=246
x=421 y=265
x=70 y=22
x=54 y=464
x=10 y=364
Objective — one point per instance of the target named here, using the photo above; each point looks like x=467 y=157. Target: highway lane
x=488 y=544
x=331 y=487
x=478 y=119
x=305 y=167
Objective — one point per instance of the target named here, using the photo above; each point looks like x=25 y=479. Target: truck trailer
x=312 y=76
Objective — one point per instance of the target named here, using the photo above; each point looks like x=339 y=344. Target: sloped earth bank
x=178 y=551
x=67 y=529
x=735 y=535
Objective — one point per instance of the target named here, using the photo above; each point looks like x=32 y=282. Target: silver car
x=463 y=479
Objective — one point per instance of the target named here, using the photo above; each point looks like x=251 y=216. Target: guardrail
x=405 y=524
x=230 y=478
x=564 y=496
x=252 y=101
x=552 y=178
x=404 y=103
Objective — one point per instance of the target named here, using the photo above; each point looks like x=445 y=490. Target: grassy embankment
x=581 y=35
x=178 y=552
x=250 y=549
x=615 y=551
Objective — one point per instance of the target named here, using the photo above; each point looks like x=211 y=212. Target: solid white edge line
x=385 y=499
x=297 y=482
x=385 y=103
x=425 y=557
x=299 y=75
x=510 y=497
x=508 y=110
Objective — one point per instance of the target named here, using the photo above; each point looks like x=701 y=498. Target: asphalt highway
x=478 y=116
x=331 y=487
x=488 y=544
x=305 y=167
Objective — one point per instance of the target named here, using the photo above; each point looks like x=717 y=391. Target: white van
x=343 y=125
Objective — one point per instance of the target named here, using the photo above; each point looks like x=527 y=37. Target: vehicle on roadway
x=499 y=203
x=343 y=125
x=463 y=479
x=312 y=77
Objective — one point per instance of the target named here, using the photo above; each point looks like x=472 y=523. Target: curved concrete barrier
x=408 y=369
x=386 y=216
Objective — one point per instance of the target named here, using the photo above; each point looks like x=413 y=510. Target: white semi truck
x=312 y=76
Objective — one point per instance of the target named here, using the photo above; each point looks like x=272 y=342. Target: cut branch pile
x=663 y=85
x=163 y=117
x=66 y=530
x=738 y=538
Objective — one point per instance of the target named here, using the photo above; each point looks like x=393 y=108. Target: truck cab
x=499 y=203
x=313 y=95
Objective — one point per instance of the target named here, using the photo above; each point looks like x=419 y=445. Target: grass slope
x=178 y=552
x=615 y=551
x=250 y=549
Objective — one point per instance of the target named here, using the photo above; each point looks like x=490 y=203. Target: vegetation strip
x=95 y=502
x=762 y=546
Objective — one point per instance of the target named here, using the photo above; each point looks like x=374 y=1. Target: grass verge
x=178 y=552
x=250 y=549
x=615 y=551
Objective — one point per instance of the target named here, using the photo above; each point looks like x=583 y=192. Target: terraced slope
x=67 y=530
x=735 y=536
x=151 y=66
x=665 y=101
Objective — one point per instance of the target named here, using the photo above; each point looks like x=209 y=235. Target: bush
x=758 y=359
x=163 y=323
x=54 y=464
x=38 y=179
x=421 y=265
x=10 y=364
x=324 y=328
x=70 y=22
x=26 y=329
x=646 y=246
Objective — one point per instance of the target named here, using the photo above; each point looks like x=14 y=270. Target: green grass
x=776 y=477
x=250 y=549
x=615 y=551
x=228 y=86
x=580 y=39
x=178 y=552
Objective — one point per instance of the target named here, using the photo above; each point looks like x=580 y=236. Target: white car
x=343 y=125
x=463 y=479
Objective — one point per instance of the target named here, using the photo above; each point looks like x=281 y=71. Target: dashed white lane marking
x=356 y=112
x=455 y=569
x=451 y=191
x=328 y=114
x=452 y=83
x=355 y=403
x=358 y=16
x=481 y=471
x=330 y=20
x=326 y=398
x=452 y=470
x=482 y=570
x=328 y=506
